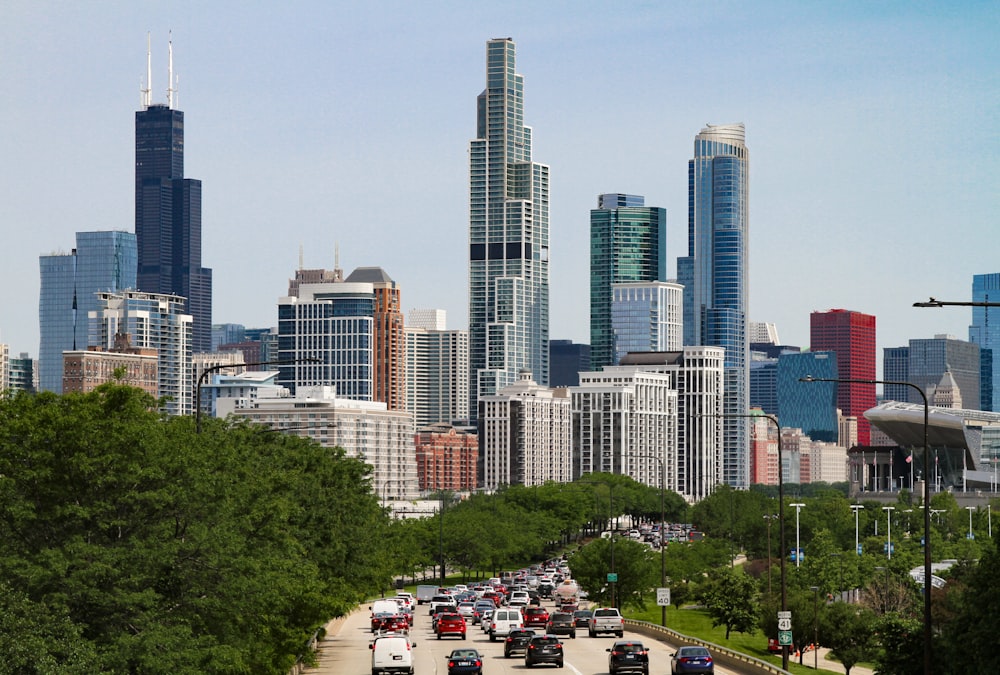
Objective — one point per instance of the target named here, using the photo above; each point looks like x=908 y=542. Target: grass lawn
x=697 y=623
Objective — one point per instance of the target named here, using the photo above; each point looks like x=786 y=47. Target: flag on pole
x=909 y=458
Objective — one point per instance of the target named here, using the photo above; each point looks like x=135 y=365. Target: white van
x=392 y=654
x=503 y=621
x=385 y=607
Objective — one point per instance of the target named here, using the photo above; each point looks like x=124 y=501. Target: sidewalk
x=829 y=664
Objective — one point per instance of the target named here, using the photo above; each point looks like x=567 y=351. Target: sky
x=316 y=127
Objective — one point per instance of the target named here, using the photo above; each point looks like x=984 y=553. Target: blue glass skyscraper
x=101 y=261
x=985 y=332
x=811 y=407
x=508 y=237
x=715 y=275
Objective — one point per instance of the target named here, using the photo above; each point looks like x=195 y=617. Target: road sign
x=785 y=638
x=663 y=597
x=785 y=615
x=612 y=577
x=784 y=624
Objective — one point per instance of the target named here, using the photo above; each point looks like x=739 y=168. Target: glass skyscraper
x=628 y=242
x=508 y=237
x=168 y=218
x=646 y=317
x=715 y=275
x=101 y=261
x=851 y=336
x=986 y=334
x=811 y=407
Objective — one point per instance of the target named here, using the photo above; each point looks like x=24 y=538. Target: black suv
x=517 y=641
x=628 y=656
x=561 y=623
x=543 y=649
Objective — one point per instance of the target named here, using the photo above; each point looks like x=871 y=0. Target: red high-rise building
x=851 y=336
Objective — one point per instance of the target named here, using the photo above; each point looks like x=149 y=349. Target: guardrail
x=727 y=657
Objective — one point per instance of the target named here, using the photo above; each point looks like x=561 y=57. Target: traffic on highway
x=536 y=618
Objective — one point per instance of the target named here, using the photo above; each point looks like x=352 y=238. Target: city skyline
x=856 y=118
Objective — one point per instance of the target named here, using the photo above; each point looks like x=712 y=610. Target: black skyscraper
x=168 y=218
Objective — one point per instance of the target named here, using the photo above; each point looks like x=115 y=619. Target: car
x=450 y=624
x=439 y=601
x=692 y=660
x=467 y=609
x=516 y=642
x=628 y=656
x=606 y=620
x=379 y=621
x=503 y=622
x=543 y=649
x=392 y=654
x=581 y=618
x=535 y=617
x=561 y=623
x=484 y=619
x=397 y=623
x=465 y=662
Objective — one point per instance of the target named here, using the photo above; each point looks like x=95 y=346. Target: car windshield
x=693 y=651
x=629 y=647
x=545 y=641
x=464 y=654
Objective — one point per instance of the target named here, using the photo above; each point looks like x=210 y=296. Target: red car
x=536 y=617
x=396 y=624
x=450 y=624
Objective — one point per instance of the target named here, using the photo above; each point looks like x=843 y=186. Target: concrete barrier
x=727 y=657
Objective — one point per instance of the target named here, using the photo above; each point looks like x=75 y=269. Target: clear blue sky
x=873 y=131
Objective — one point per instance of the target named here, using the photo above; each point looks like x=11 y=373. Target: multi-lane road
x=346 y=652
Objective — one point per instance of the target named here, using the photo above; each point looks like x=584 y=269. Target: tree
x=637 y=567
x=731 y=599
x=848 y=631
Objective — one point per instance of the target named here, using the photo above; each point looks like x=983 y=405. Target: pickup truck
x=443 y=601
x=606 y=620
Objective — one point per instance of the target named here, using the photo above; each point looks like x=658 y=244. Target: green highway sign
x=785 y=638
x=612 y=578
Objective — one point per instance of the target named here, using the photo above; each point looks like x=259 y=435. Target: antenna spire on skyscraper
x=171 y=90
x=146 y=95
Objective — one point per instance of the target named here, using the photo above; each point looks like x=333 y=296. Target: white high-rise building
x=508 y=237
x=151 y=321
x=625 y=422
x=647 y=316
x=524 y=435
x=367 y=429
x=4 y=368
x=437 y=369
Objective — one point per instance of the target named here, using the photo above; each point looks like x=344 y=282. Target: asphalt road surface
x=346 y=652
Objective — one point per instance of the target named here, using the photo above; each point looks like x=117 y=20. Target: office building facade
x=931 y=358
x=646 y=317
x=628 y=243
x=101 y=261
x=809 y=406
x=567 y=359
x=715 y=275
x=851 y=336
x=151 y=321
x=986 y=334
x=447 y=458
x=388 y=344
x=168 y=215
x=524 y=436
x=437 y=373
x=325 y=337
x=508 y=237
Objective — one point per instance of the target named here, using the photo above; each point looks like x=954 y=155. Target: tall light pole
x=781 y=515
x=928 y=634
x=798 y=549
x=222 y=366
x=888 y=530
x=663 y=518
x=857 y=542
x=970 y=509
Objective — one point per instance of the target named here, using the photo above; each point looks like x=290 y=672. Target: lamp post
x=970 y=509
x=221 y=366
x=928 y=653
x=798 y=548
x=857 y=542
x=769 y=517
x=815 y=590
x=888 y=530
x=663 y=518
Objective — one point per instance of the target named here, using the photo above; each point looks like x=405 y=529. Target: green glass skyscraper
x=508 y=237
x=628 y=242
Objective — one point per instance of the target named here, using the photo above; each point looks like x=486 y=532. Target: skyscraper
x=101 y=261
x=437 y=369
x=388 y=343
x=986 y=334
x=628 y=243
x=646 y=317
x=168 y=213
x=508 y=237
x=715 y=275
x=851 y=336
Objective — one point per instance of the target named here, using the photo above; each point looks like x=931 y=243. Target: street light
x=970 y=509
x=815 y=590
x=221 y=366
x=798 y=549
x=888 y=529
x=927 y=495
x=857 y=543
x=663 y=519
x=781 y=514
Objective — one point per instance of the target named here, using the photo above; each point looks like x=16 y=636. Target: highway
x=347 y=652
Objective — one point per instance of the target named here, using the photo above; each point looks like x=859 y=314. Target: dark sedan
x=465 y=662
x=692 y=660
